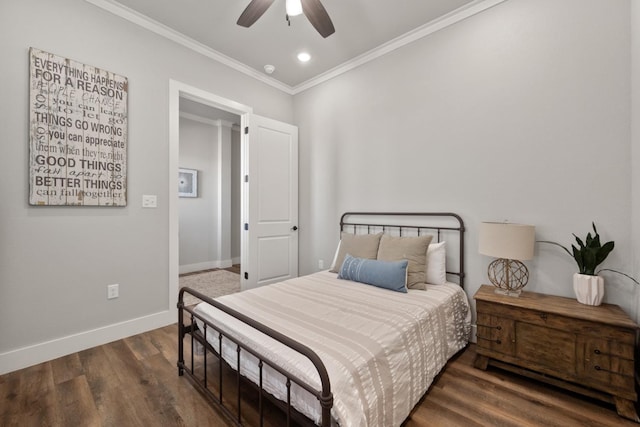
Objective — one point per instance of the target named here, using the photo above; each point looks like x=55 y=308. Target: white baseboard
x=49 y=350
x=190 y=268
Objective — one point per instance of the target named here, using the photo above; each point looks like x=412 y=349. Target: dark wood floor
x=134 y=382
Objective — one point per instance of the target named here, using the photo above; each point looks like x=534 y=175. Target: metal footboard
x=324 y=396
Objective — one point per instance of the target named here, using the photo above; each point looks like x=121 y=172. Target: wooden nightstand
x=585 y=349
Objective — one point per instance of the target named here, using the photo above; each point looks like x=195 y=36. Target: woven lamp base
x=509 y=276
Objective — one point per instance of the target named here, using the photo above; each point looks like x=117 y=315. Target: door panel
x=273 y=258
x=274 y=176
x=271 y=210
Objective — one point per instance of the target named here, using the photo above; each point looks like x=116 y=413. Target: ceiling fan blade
x=318 y=16
x=254 y=11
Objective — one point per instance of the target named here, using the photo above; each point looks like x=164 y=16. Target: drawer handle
x=489 y=339
x=543 y=316
x=599 y=352
x=598 y=368
x=489 y=326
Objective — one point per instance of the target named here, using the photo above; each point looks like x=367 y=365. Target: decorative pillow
x=413 y=249
x=390 y=275
x=335 y=258
x=436 y=264
x=358 y=245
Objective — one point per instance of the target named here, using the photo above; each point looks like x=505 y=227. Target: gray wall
x=521 y=112
x=55 y=262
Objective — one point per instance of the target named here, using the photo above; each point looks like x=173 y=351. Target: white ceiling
x=362 y=28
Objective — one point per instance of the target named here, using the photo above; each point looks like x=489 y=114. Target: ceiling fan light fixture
x=294 y=7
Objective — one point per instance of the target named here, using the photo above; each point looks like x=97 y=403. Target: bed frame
x=402 y=224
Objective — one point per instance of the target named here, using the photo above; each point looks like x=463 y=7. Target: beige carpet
x=211 y=283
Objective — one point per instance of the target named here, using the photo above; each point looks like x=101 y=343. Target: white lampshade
x=294 y=7
x=507 y=241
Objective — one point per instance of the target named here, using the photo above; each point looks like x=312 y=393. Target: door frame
x=179 y=90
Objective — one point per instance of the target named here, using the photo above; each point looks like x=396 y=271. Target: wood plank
x=430 y=413
x=192 y=408
x=556 y=399
x=30 y=397
x=105 y=388
x=66 y=368
x=144 y=394
x=141 y=346
x=76 y=404
x=117 y=385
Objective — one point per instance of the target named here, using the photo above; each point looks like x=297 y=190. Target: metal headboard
x=446 y=221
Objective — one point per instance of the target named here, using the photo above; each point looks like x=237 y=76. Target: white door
x=270 y=202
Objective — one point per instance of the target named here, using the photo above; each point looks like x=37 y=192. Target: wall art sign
x=78 y=133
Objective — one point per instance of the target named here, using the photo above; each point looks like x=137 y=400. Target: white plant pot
x=589 y=289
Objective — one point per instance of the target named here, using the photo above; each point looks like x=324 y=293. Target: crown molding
x=147 y=23
x=431 y=27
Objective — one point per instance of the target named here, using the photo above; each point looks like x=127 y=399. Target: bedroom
x=522 y=101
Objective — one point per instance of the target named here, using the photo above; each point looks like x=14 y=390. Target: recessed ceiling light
x=304 y=57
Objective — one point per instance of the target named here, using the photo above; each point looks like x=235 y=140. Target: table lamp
x=510 y=243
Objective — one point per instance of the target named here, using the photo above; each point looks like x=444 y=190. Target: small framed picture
x=187 y=183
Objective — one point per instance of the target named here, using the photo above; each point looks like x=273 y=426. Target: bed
x=331 y=351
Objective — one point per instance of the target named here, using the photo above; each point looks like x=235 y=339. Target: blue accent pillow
x=390 y=275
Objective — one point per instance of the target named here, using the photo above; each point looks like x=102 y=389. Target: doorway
x=209 y=212
x=197 y=103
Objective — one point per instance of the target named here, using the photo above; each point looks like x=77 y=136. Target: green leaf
x=604 y=252
x=579 y=241
x=557 y=244
x=589 y=259
x=577 y=255
x=596 y=239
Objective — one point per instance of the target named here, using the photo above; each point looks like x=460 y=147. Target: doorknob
x=294 y=228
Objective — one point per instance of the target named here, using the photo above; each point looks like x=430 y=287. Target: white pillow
x=335 y=257
x=436 y=264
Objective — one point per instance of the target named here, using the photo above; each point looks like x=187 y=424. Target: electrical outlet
x=113 y=291
x=149 y=201
x=320 y=264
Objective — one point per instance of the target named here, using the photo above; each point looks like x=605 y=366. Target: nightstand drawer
x=607 y=363
x=496 y=333
x=553 y=349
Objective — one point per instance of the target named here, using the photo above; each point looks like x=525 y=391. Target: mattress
x=382 y=349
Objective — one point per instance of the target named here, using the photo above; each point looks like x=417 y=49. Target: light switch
x=149 y=201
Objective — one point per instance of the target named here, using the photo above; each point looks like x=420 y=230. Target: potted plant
x=588 y=285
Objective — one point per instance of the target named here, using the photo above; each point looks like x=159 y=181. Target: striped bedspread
x=382 y=349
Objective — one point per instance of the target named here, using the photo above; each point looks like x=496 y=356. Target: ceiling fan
x=312 y=9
